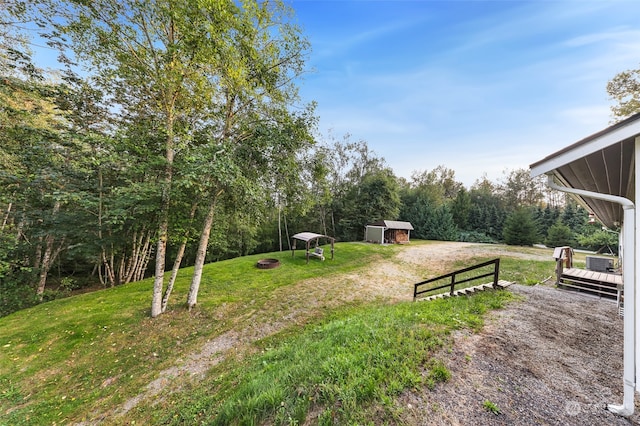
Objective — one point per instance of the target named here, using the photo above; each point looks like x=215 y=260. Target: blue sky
x=477 y=86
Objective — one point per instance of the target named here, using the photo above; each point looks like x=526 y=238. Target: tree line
x=172 y=134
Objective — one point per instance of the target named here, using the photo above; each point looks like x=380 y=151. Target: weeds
x=491 y=407
x=359 y=357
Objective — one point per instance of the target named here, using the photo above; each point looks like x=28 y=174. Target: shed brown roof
x=394 y=224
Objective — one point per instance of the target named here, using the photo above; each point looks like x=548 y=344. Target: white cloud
x=483 y=93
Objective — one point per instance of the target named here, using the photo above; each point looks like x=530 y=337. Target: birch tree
x=624 y=89
x=188 y=65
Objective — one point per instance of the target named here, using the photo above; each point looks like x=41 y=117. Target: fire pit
x=268 y=263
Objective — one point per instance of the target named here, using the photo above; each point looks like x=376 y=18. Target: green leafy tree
x=189 y=67
x=624 y=89
x=15 y=54
x=16 y=277
x=438 y=184
x=600 y=240
x=332 y=172
x=40 y=178
x=375 y=198
x=519 y=189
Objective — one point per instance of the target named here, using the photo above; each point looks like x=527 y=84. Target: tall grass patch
x=334 y=370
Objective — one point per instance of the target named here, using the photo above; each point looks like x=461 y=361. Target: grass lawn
x=78 y=358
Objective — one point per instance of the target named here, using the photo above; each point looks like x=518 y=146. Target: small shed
x=388 y=231
x=308 y=238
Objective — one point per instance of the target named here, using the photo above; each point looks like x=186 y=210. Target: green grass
x=512 y=268
x=62 y=359
x=74 y=359
x=338 y=368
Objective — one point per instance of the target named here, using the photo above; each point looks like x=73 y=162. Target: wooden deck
x=605 y=277
x=600 y=283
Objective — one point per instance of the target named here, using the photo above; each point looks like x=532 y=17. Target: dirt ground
x=552 y=358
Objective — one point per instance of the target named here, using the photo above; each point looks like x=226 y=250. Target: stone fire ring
x=268 y=263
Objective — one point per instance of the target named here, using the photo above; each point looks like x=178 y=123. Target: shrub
x=475 y=237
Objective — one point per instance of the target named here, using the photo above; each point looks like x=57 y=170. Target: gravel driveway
x=554 y=358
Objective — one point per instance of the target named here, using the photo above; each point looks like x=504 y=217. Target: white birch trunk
x=176 y=264
x=47 y=257
x=163 y=227
x=6 y=216
x=192 y=299
x=174 y=274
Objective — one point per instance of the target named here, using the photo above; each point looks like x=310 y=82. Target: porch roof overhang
x=601 y=168
x=603 y=162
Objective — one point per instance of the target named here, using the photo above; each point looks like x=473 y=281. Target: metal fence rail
x=417 y=292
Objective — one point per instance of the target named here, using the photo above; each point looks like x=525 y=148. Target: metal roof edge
x=613 y=134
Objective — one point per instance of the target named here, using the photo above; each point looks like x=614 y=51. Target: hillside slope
x=100 y=359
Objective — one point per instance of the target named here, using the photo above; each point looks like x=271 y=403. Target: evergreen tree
x=545 y=217
x=575 y=217
x=419 y=213
x=460 y=208
x=376 y=197
x=431 y=222
x=443 y=227
x=560 y=235
x=487 y=216
x=520 y=228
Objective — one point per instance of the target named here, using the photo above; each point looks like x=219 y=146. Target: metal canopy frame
x=308 y=238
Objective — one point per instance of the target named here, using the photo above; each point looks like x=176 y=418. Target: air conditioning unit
x=599 y=264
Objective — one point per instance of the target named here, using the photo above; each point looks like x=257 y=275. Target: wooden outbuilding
x=388 y=232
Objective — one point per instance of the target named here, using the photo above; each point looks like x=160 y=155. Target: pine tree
x=520 y=229
x=560 y=235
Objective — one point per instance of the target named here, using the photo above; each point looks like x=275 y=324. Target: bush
x=599 y=240
x=475 y=237
x=15 y=290
x=15 y=293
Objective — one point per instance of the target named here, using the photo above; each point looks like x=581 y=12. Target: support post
x=559 y=266
x=628 y=278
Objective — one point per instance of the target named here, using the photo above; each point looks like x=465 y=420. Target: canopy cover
x=307 y=236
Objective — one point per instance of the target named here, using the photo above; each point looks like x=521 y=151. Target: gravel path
x=554 y=358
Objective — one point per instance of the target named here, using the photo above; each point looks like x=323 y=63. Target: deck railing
x=451 y=285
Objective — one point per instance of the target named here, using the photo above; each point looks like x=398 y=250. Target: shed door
x=375 y=234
